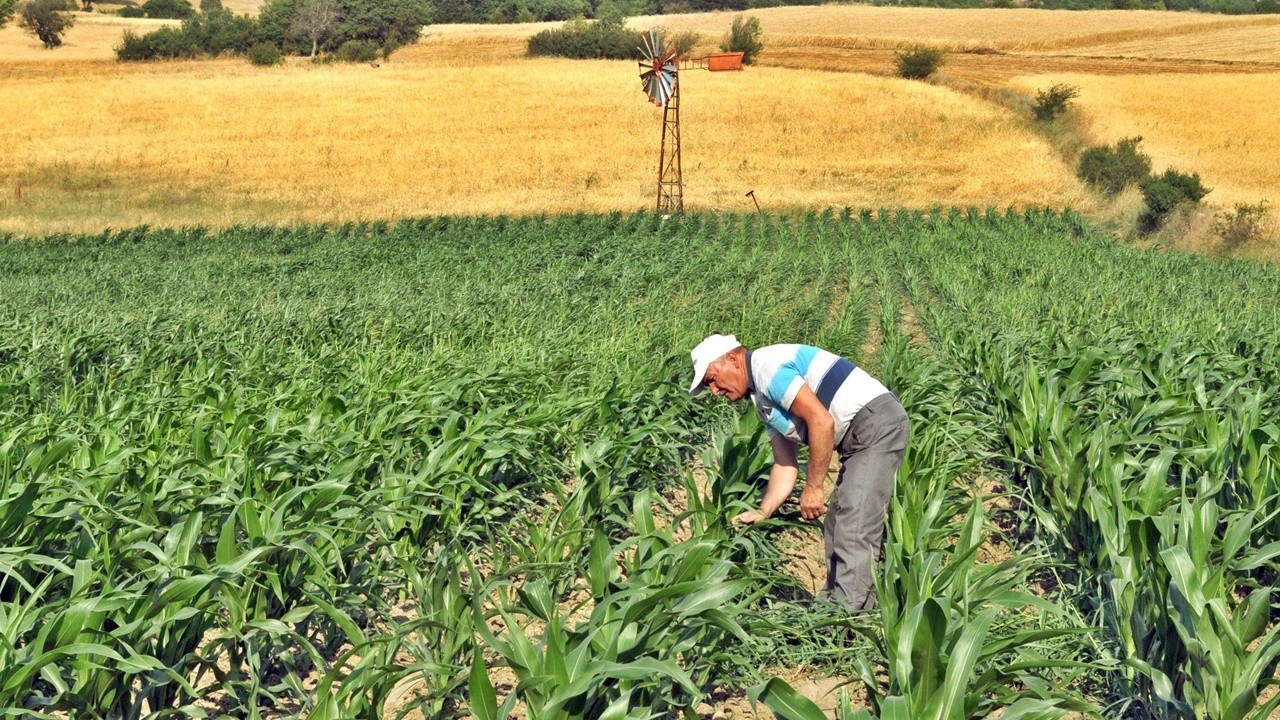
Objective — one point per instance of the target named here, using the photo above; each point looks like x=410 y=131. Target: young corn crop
x=288 y=472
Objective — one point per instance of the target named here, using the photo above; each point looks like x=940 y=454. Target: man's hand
x=812 y=502
x=749 y=517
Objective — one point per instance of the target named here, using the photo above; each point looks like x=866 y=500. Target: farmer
x=804 y=394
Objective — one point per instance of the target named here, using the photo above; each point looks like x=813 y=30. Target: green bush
x=216 y=31
x=744 y=37
x=1112 y=168
x=582 y=39
x=918 y=61
x=388 y=24
x=133 y=47
x=212 y=32
x=167 y=9
x=265 y=54
x=1053 y=102
x=162 y=44
x=132 y=11
x=354 y=51
x=511 y=11
x=48 y=20
x=684 y=42
x=1163 y=193
x=7 y=9
x=1246 y=223
x=558 y=9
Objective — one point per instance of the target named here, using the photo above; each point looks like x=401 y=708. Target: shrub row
x=1112 y=168
x=609 y=39
x=213 y=32
x=353 y=30
x=160 y=9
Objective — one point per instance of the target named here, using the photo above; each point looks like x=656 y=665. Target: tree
x=47 y=20
x=315 y=21
x=460 y=11
x=744 y=37
x=168 y=9
x=275 y=25
x=389 y=23
x=7 y=9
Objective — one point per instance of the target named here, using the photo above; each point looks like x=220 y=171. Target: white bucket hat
x=708 y=351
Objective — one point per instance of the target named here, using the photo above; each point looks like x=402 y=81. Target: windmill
x=660 y=78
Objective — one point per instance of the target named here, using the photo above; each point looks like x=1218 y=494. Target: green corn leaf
x=784 y=701
x=600 y=565
x=713 y=597
x=948 y=704
x=896 y=707
x=1032 y=709
x=484 y=701
x=926 y=670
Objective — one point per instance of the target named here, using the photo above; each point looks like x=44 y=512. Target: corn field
x=292 y=472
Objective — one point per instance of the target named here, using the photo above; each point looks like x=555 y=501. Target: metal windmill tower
x=660 y=78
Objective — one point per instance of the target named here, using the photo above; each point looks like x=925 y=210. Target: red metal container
x=724 y=61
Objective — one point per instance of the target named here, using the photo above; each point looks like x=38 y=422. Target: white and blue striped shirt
x=777 y=372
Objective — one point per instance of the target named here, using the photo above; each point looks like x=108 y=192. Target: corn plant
x=225 y=456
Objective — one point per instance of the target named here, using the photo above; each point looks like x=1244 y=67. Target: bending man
x=804 y=394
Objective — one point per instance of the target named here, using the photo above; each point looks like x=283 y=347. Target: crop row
x=268 y=472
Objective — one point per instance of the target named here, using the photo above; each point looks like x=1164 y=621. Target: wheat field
x=1256 y=43
x=220 y=142
x=463 y=123
x=93 y=37
x=1221 y=126
x=999 y=29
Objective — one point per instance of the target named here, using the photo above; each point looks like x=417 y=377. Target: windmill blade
x=658 y=69
x=659 y=92
x=650 y=51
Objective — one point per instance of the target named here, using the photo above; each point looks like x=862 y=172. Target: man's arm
x=782 y=480
x=822 y=440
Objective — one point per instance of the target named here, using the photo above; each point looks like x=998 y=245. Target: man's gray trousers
x=870 y=453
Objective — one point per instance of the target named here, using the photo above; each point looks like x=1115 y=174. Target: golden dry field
x=463 y=123
x=995 y=29
x=222 y=142
x=1221 y=126
x=91 y=38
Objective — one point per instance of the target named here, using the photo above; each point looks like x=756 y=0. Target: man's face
x=727 y=377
